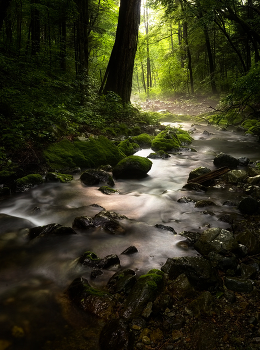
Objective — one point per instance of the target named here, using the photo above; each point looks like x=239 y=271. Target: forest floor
x=180 y=105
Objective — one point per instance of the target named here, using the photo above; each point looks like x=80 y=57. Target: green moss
x=153 y=277
x=92 y=291
x=127 y=147
x=32 y=179
x=249 y=123
x=143 y=140
x=84 y=154
x=132 y=167
x=170 y=139
x=107 y=190
x=63 y=178
x=90 y=255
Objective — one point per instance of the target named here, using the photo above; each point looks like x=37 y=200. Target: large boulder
x=199 y=271
x=171 y=139
x=90 y=299
x=223 y=159
x=215 y=240
x=144 y=291
x=132 y=167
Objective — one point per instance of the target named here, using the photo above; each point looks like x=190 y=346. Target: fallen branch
x=214 y=174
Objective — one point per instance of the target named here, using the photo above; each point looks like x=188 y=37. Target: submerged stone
x=107 y=190
x=130 y=250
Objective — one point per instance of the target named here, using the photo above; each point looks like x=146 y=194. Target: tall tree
x=3 y=9
x=119 y=73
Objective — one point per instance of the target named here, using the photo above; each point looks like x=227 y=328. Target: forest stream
x=35 y=313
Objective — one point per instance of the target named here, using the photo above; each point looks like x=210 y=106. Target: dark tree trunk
x=3 y=9
x=63 y=44
x=119 y=73
x=82 y=39
x=35 y=28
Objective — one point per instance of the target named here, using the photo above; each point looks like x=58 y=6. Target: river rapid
x=35 y=313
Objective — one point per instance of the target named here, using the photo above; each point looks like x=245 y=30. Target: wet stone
x=82 y=223
x=93 y=177
x=223 y=159
x=166 y=228
x=238 y=284
x=204 y=203
x=198 y=172
x=49 y=230
x=122 y=281
x=95 y=273
x=116 y=335
x=185 y=200
x=130 y=250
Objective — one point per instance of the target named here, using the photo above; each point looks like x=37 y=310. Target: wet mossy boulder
x=171 y=139
x=90 y=299
x=50 y=230
x=85 y=154
x=108 y=220
x=235 y=176
x=28 y=181
x=92 y=177
x=132 y=167
x=127 y=147
x=143 y=140
x=144 y=291
x=223 y=159
x=57 y=177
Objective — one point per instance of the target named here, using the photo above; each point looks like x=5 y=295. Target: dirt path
x=180 y=106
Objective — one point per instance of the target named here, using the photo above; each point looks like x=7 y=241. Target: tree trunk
x=35 y=28
x=4 y=4
x=119 y=73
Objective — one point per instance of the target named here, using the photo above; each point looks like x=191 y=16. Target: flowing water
x=34 y=312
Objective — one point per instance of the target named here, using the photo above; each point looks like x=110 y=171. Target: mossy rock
x=132 y=167
x=143 y=140
x=84 y=154
x=171 y=139
x=145 y=290
x=92 y=177
x=57 y=177
x=107 y=190
x=127 y=147
x=28 y=181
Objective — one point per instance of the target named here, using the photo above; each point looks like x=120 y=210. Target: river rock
x=194 y=187
x=132 y=167
x=204 y=203
x=249 y=270
x=122 y=282
x=116 y=335
x=107 y=190
x=203 y=304
x=108 y=220
x=82 y=223
x=92 y=260
x=166 y=228
x=215 y=240
x=238 y=284
x=182 y=288
x=159 y=155
x=130 y=250
x=250 y=239
x=57 y=177
x=89 y=299
x=198 y=172
x=222 y=262
x=199 y=271
x=234 y=176
x=224 y=159
x=243 y=161
x=94 y=177
x=248 y=206
x=254 y=180
x=10 y=223
x=51 y=229
x=144 y=291
x=28 y=181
